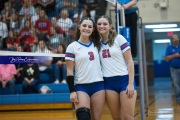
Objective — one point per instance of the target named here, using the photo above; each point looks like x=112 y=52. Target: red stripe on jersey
x=70 y=55
x=124 y=46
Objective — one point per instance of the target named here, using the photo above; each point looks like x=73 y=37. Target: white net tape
x=11 y=53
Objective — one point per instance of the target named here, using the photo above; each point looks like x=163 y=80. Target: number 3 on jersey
x=106 y=53
x=91 y=54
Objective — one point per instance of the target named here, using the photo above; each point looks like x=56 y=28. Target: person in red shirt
x=24 y=34
x=32 y=40
x=54 y=24
x=42 y=25
x=11 y=41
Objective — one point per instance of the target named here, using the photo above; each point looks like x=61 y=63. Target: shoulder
x=119 y=38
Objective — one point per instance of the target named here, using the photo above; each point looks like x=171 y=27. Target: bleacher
x=59 y=96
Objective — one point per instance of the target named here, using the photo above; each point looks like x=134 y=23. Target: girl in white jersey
x=118 y=71
x=84 y=75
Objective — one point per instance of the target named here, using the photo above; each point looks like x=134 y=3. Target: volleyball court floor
x=162 y=106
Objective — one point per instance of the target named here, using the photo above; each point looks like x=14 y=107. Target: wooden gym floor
x=162 y=106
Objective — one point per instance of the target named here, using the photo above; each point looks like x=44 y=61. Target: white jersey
x=112 y=59
x=87 y=63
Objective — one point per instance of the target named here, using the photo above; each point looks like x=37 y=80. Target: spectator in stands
x=19 y=67
x=131 y=22
x=91 y=5
x=7 y=72
x=3 y=33
x=60 y=65
x=85 y=13
x=16 y=4
x=70 y=35
x=24 y=34
x=44 y=65
x=15 y=22
x=19 y=48
x=58 y=6
x=30 y=74
x=42 y=25
x=27 y=10
x=76 y=19
x=25 y=18
x=35 y=16
x=54 y=24
x=173 y=56
x=42 y=48
x=7 y=12
x=47 y=5
x=11 y=41
x=32 y=40
x=55 y=39
x=70 y=5
x=64 y=22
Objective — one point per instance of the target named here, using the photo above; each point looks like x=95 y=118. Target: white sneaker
x=63 y=81
x=56 y=82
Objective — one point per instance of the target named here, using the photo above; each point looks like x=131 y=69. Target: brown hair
x=112 y=33
x=95 y=37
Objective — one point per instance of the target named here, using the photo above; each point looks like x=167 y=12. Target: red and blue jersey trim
x=71 y=55
x=124 y=45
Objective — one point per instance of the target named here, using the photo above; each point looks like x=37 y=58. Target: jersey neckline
x=86 y=45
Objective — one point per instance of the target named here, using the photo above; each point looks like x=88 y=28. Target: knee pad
x=83 y=114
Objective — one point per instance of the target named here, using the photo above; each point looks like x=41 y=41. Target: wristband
x=70 y=82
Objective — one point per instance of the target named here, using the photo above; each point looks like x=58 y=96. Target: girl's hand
x=73 y=97
x=130 y=90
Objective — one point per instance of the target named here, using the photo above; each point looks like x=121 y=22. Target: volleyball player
x=118 y=71
x=84 y=75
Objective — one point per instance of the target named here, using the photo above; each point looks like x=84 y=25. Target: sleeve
x=167 y=51
x=69 y=54
x=123 y=43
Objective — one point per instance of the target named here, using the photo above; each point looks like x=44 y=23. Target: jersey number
x=105 y=53
x=91 y=54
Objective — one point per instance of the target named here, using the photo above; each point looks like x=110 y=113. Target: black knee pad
x=83 y=114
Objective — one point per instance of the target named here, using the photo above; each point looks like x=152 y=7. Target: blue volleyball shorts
x=90 y=88
x=117 y=83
